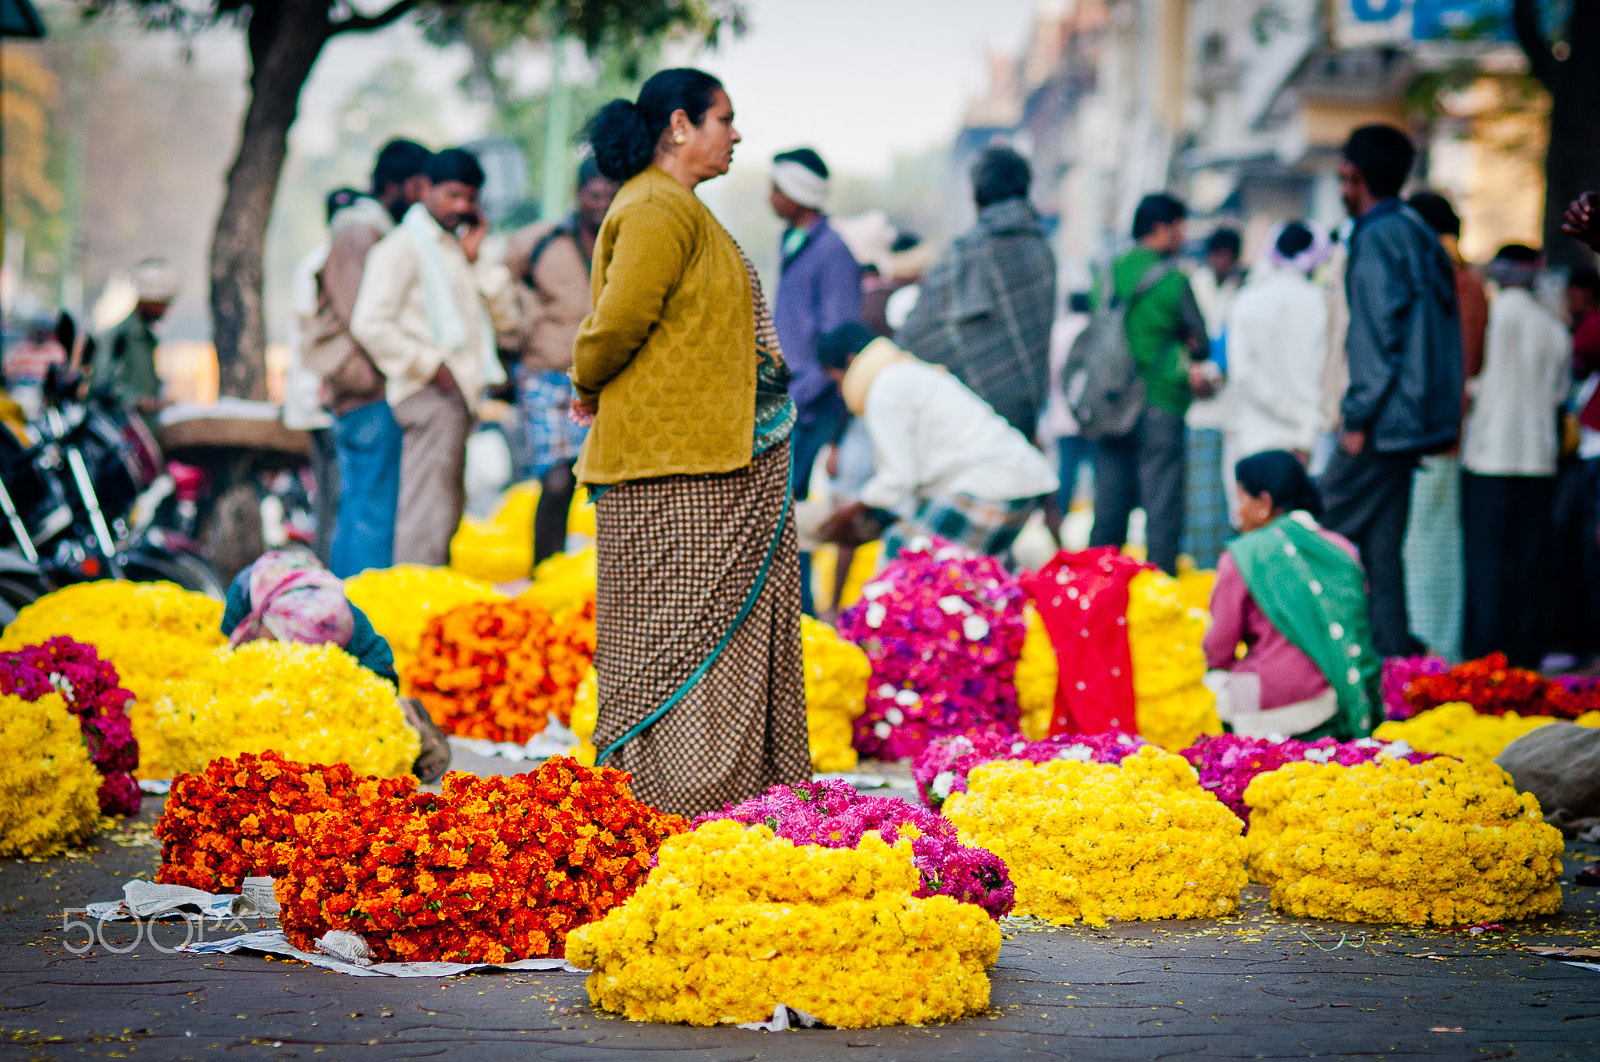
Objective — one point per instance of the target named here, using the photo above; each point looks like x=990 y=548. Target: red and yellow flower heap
x=491 y=870
x=244 y=817
x=499 y=670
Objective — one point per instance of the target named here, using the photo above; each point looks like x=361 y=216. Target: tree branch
x=358 y=23
x=1541 y=61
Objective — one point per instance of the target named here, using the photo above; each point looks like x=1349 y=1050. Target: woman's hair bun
x=623 y=146
x=624 y=135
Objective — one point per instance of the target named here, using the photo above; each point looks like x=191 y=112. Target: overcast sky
x=861 y=80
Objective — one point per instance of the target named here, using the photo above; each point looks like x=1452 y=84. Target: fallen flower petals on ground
x=735 y=921
x=1094 y=841
x=1440 y=842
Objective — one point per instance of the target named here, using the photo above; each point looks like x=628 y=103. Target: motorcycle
x=81 y=501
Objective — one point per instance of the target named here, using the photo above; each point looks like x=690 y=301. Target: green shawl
x=1315 y=594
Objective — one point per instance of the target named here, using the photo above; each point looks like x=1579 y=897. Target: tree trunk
x=1572 y=162
x=284 y=40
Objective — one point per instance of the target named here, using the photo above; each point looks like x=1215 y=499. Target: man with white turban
x=819 y=289
x=124 y=366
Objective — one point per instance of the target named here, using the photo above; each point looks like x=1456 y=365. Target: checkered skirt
x=677 y=557
x=982 y=526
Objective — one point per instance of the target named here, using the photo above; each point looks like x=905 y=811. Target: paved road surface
x=1249 y=987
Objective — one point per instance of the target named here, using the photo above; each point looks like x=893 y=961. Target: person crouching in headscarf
x=287 y=596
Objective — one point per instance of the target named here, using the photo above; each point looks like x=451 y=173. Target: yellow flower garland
x=1171 y=706
x=1441 y=842
x=151 y=633
x=1100 y=841
x=400 y=600
x=312 y=703
x=836 y=694
x=1036 y=678
x=49 y=791
x=1456 y=730
x=734 y=921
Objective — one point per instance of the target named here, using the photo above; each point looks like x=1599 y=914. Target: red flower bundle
x=93 y=693
x=1492 y=687
x=492 y=870
x=244 y=818
x=499 y=669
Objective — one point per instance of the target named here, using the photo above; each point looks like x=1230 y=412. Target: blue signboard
x=1433 y=20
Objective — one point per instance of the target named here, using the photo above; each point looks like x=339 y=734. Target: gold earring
x=679 y=138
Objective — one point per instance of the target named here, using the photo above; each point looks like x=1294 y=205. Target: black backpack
x=1100 y=379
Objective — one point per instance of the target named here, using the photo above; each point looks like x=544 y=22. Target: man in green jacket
x=124 y=366
x=1167 y=338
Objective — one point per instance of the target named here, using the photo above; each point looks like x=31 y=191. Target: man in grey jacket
x=1404 y=353
x=988 y=303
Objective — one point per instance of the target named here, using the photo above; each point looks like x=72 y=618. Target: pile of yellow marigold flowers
x=734 y=921
x=1440 y=842
x=312 y=703
x=836 y=694
x=1094 y=841
x=49 y=789
x=1171 y=705
x=151 y=632
x=1457 y=730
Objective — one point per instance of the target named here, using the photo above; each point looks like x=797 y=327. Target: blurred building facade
x=1240 y=108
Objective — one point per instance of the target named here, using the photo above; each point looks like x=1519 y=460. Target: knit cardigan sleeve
x=651 y=245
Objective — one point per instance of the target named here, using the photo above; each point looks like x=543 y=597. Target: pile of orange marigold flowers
x=243 y=818
x=491 y=870
x=498 y=670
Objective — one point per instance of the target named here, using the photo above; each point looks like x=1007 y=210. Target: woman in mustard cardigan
x=702 y=692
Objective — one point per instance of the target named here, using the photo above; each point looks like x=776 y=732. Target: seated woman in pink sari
x=1294 y=594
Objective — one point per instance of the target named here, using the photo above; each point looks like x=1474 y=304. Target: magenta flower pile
x=943 y=630
x=833 y=815
x=1398 y=671
x=1227 y=763
x=92 y=691
x=942 y=767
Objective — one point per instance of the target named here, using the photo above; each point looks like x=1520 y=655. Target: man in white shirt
x=1508 y=455
x=947 y=464
x=427 y=314
x=1277 y=340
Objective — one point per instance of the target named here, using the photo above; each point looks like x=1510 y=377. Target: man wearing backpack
x=1403 y=347
x=1143 y=466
